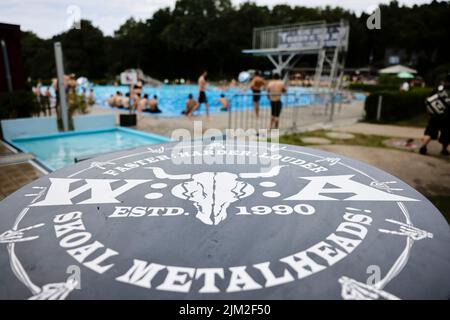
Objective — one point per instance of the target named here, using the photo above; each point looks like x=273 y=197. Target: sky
x=49 y=17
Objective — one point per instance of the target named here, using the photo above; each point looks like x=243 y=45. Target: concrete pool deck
x=308 y=118
x=14 y=176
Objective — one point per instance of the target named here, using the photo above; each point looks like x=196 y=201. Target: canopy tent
x=405 y=75
x=396 y=69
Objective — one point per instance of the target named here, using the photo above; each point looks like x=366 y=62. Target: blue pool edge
x=161 y=139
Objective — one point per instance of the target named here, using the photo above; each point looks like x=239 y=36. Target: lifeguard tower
x=285 y=45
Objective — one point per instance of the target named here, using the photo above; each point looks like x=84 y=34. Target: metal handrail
x=242 y=116
x=231 y=110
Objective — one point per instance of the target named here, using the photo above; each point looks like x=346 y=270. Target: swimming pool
x=172 y=98
x=57 y=151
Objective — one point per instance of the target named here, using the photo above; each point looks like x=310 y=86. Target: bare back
x=257 y=83
x=201 y=84
x=275 y=89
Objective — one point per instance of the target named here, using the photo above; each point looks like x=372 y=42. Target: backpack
x=438 y=105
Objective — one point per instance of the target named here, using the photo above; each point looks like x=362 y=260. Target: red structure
x=11 y=35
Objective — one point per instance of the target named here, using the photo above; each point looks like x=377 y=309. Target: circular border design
x=351 y=289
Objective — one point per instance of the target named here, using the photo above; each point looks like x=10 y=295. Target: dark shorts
x=276 y=106
x=438 y=128
x=202 y=97
x=256 y=95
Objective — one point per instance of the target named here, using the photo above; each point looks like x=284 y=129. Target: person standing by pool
x=202 y=92
x=439 y=118
x=45 y=100
x=275 y=88
x=136 y=102
x=256 y=85
x=90 y=99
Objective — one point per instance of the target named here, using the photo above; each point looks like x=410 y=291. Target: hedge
x=371 y=87
x=396 y=105
x=18 y=104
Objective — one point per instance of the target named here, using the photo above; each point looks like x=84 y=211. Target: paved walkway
x=307 y=118
x=402 y=134
x=428 y=175
x=15 y=176
x=383 y=130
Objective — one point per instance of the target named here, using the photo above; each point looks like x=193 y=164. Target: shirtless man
x=115 y=100
x=275 y=88
x=118 y=100
x=90 y=98
x=191 y=106
x=224 y=103
x=202 y=92
x=136 y=102
x=257 y=84
x=143 y=103
x=153 y=104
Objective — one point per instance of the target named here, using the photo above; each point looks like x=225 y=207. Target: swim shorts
x=276 y=108
x=202 y=97
x=256 y=95
x=438 y=128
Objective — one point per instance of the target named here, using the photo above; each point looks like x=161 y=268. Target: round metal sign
x=222 y=220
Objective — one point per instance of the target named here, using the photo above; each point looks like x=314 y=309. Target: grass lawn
x=359 y=140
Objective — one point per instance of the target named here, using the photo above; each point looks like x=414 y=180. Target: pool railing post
x=61 y=89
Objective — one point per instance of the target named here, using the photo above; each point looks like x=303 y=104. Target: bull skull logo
x=213 y=192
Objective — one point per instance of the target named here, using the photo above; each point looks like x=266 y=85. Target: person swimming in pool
x=191 y=106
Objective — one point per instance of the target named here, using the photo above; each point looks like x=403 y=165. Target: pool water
x=172 y=98
x=60 y=150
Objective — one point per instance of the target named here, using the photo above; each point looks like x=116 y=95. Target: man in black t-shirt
x=438 y=106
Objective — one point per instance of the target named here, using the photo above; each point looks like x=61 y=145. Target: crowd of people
x=77 y=99
x=137 y=101
x=275 y=89
x=134 y=100
x=438 y=127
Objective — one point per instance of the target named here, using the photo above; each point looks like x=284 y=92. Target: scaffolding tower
x=285 y=45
